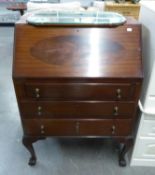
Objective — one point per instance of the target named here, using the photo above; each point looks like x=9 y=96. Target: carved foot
x=32 y=161
x=122 y=162
x=124 y=145
x=123 y=151
x=28 y=143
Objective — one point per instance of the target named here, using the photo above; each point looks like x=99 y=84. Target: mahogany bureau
x=78 y=81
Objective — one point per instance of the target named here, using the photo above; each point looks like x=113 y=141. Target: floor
x=55 y=156
x=7 y=16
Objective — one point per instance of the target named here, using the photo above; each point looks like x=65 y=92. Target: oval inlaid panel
x=73 y=50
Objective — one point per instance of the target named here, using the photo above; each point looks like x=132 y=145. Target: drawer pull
x=115 y=111
x=37 y=95
x=113 y=129
x=42 y=129
x=119 y=94
x=39 y=110
x=39 y=113
x=37 y=90
x=77 y=127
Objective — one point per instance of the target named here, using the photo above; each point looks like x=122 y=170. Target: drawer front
x=145 y=148
x=50 y=127
x=82 y=109
x=123 y=127
x=106 y=127
x=77 y=127
x=80 y=91
x=148 y=128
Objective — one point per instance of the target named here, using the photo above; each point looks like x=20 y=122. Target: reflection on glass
x=66 y=17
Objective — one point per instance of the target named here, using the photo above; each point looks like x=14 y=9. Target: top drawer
x=79 y=91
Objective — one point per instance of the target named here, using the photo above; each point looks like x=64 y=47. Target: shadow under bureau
x=78 y=81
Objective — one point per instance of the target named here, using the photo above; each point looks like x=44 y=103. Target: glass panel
x=81 y=18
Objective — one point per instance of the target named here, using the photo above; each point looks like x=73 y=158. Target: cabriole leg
x=28 y=143
x=124 y=147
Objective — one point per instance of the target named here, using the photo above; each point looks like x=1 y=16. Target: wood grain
x=77 y=52
x=69 y=127
x=78 y=81
x=76 y=109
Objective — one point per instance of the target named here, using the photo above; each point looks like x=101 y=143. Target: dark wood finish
x=78 y=81
x=66 y=52
x=81 y=91
x=28 y=143
x=105 y=128
x=51 y=127
x=20 y=6
x=72 y=127
x=74 y=109
x=124 y=145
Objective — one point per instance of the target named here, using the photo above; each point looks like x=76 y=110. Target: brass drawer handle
x=37 y=92
x=77 y=127
x=113 y=129
x=115 y=111
x=37 y=95
x=39 y=110
x=42 y=127
x=39 y=113
x=119 y=93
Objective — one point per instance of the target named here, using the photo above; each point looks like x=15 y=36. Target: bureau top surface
x=73 y=52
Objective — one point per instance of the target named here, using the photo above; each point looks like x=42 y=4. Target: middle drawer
x=76 y=109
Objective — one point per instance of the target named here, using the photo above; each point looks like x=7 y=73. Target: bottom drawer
x=78 y=127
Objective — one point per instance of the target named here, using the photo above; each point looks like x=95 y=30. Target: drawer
x=145 y=148
x=80 y=91
x=148 y=128
x=106 y=127
x=50 y=127
x=77 y=127
x=77 y=109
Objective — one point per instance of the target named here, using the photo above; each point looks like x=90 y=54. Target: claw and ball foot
x=28 y=143
x=124 y=147
x=32 y=161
